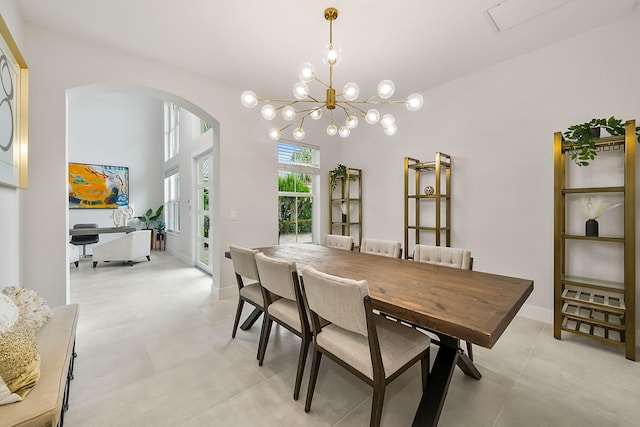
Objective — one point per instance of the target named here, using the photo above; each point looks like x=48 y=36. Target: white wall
x=59 y=63
x=192 y=144
x=498 y=125
x=118 y=129
x=10 y=198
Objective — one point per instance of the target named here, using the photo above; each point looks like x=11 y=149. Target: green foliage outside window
x=288 y=206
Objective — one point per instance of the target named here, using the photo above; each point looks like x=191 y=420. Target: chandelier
x=343 y=108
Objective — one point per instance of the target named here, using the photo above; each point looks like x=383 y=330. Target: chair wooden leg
x=424 y=366
x=264 y=340
x=376 y=405
x=237 y=319
x=302 y=360
x=470 y=351
x=313 y=376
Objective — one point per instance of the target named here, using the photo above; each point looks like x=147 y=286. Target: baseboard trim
x=536 y=313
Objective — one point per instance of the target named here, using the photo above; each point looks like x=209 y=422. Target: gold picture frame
x=14 y=91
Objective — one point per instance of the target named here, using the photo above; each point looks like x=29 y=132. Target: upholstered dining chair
x=86 y=239
x=450 y=257
x=280 y=278
x=244 y=267
x=128 y=248
x=381 y=247
x=442 y=255
x=337 y=241
x=375 y=349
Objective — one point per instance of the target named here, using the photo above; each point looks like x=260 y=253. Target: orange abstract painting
x=98 y=186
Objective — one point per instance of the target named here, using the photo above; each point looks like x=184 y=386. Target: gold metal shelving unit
x=420 y=203
x=345 y=207
x=600 y=309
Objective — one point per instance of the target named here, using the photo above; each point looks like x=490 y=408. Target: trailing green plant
x=149 y=217
x=337 y=173
x=582 y=137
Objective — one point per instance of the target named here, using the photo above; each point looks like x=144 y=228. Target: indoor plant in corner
x=149 y=217
x=581 y=137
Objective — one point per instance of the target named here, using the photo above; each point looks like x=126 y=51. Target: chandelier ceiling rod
x=346 y=101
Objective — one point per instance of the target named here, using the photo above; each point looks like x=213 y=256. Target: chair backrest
x=381 y=247
x=336 y=299
x=337 y=241
x=244 y=262
x=277 y=276
x=442 y=255
x=87 y=238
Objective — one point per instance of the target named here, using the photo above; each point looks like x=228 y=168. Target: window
x=171 y=130
x=172 y=201
x=298 y=179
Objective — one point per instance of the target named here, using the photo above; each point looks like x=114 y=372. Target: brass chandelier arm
x=367 y=101
x=354 y=107
x=301 y=119
x=321 y=82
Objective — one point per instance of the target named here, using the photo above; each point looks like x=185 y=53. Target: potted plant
x=149 y=217
x=161 y=227
x=337 y=173
x=581 y=137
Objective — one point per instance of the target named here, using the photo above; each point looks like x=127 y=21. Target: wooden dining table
x=452 y=303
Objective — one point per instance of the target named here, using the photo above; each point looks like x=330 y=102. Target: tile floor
x=155 y=349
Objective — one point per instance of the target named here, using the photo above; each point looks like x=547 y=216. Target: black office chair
x=86 y=239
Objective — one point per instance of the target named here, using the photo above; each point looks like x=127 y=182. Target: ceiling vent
x=509 y=13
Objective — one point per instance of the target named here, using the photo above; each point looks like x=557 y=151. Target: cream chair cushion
x=129 y=247
x=380 y=247
x=451 y=257
x=398 y=345
x=337 y=241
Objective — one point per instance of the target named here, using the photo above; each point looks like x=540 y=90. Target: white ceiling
x=258 y=45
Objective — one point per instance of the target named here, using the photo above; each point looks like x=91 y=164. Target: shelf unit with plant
x=345 y=207
x=594 y=266
x=427 y=210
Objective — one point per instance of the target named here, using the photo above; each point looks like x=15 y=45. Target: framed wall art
x=14 y=77
x=98 y=186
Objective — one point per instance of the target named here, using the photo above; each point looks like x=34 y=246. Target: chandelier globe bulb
x=300 y=90
x=331 y=54
x=268 y=112
x=288 y=113
x=298 y=134
x=352 y=122
x=386 y=88
x=414 y=102
x=391 y=130
x=372 y=116
x=351 y=91
x=344 y=132
x=249 y=99
x=316 y=114
x=306 y=72
x=387 y=120
x=274 y=133
x=332 y=130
